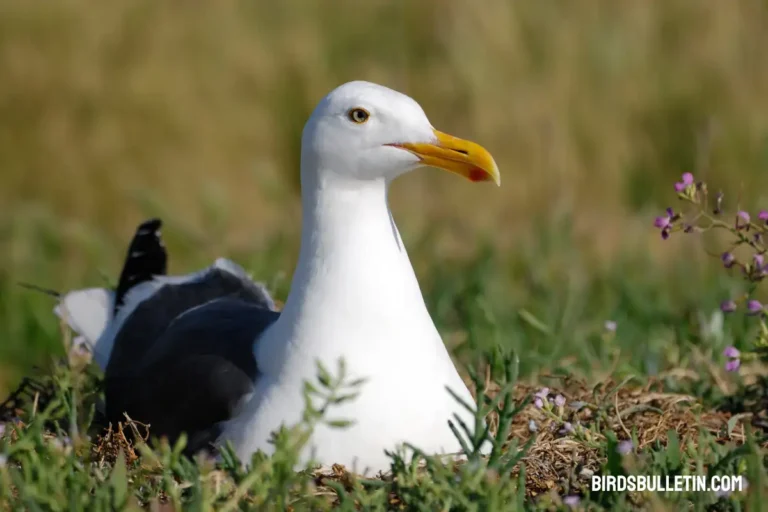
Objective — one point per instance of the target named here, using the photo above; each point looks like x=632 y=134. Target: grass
x=658 y=380
x=110 y=113
x=57 y=456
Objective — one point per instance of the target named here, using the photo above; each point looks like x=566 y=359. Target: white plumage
x=354 y=294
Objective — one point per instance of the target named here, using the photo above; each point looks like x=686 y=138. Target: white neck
x=354 y=293
x=352 y=256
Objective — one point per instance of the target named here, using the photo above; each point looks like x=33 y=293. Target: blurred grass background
x=114 y=111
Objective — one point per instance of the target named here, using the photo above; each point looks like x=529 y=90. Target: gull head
x=363 y=131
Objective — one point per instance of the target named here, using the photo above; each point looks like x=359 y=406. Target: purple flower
x=728 y=306
x=754 y=307
x=744 y=216
x=758 y=259
x=571 y=501
x=567 y=428
x=680 y=186
x=542 y=393
x=665 y=223
x=661 y=222
x=538 y=402
x=733 y=354
x=625 y=447
x=728 y=259
x=610 y=326
x=763 y=215
x=560 y=400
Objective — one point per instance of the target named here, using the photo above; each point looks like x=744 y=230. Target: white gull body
x=354 y=295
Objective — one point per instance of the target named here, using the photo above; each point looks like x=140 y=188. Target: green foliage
x=41 y=471
x=48 y=461
x=555 y=323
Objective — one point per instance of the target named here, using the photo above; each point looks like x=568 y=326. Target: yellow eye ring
x=358 y=115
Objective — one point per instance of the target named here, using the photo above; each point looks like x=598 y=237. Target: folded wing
x=177 y=350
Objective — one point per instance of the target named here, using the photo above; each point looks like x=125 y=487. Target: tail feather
x=90 y=311
x=145 y=259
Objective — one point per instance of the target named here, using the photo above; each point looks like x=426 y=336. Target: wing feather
x=195 y=375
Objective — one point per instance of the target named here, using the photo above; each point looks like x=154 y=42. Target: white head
x=364 y=131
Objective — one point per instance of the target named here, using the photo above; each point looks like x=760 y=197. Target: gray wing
x=153 y=316
x=183 y=360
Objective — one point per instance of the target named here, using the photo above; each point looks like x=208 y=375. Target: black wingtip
x=146 y=258
x=149 y=226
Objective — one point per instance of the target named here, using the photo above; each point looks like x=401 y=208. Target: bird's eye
x=358 y=115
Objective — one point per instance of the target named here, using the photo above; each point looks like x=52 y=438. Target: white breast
x=355 y=296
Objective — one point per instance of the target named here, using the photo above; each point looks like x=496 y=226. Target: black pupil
x=358 y=115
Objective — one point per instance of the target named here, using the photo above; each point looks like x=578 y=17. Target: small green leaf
x=673 y=449
x=118 y=480
x=732 y=423
x=357 y=382
x=339 y=489
x=309 y=388
x=343 y=398
x=323 y=375
x=534 y=322
x=340 y=423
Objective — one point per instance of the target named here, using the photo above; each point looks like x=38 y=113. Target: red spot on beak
x=477 y=174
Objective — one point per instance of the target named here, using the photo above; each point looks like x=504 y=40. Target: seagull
x=210 y=355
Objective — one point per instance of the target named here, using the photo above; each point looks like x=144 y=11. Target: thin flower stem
x=707 y=214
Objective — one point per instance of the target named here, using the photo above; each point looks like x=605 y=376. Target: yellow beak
x=456 y=155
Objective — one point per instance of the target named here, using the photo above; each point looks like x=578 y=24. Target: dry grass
x=556 y=464
x=558 y=461
x=555 y=460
